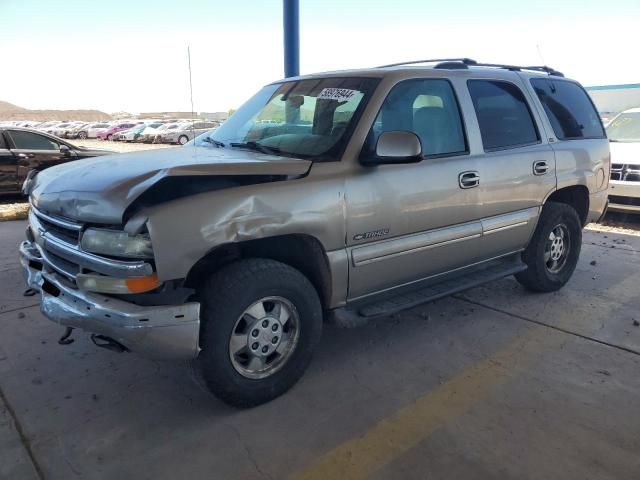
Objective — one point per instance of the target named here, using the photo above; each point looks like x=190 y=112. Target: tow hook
x=107 y=342
x=64 y=339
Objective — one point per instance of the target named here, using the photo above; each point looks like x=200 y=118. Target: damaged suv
x=348 y=195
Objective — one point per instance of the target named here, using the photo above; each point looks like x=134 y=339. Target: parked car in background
x=71 y=130
x=90 y=130
x=186 y=131
x=134 y=133
x=149 y=132
x=22 y=150
x=108 y=133
x=155 y=135
x=61 y=129
x=624 y=135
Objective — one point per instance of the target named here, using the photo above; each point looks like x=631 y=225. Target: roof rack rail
x=448 y=63
x=466 y=61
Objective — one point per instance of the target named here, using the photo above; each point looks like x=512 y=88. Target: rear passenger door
x=578 y=137
x=516 y=166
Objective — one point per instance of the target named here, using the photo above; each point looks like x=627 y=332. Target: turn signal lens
x=103 y=284
x=142 y=284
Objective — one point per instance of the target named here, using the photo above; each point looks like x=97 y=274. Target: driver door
x=408 y=222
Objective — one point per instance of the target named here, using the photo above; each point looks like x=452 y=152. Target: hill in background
x=9 y=111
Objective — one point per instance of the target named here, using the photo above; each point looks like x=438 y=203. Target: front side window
x=32 y=141
x=570 y=111
x=427 y=107
x=625 y=128
x=503 y=114
x=305 y=118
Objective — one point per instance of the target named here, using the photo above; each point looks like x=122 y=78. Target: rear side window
x=569 y=108
x=503 y=114
x=32 y=141
x=427 y=107
x=3 y=145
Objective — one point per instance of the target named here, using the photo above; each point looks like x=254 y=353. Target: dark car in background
x=23 y=149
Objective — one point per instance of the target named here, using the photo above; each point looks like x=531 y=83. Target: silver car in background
x=186 y=131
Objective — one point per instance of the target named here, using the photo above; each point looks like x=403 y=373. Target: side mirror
x=400 y=146
x=66 y=151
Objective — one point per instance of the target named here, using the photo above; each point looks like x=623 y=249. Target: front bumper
x=160 y=332
x=624 y=196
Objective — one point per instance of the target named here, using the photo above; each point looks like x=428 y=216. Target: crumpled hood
x=627 y=153
x=100 y=189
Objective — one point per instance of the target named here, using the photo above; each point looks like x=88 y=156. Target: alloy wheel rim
x=557 y=247
x=264 y=337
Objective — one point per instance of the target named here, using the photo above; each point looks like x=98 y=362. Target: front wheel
x=552 y=254
x=261 y=320
x=183 y=139
x=82 y=135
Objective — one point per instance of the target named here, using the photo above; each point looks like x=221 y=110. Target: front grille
x=58 y=240
x=624 y=200
x=625 y=173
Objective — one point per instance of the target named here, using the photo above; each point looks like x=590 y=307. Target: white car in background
x=624 y=189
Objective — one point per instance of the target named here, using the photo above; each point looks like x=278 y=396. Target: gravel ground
x=618 y=223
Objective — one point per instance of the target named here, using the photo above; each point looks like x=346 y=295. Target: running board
x=393 y=302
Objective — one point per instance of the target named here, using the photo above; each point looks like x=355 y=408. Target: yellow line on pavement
x=360 y=457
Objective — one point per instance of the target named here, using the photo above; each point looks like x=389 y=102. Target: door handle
x=540 y=167
x=469 y=179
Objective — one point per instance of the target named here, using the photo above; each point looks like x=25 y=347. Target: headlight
x=116 y=243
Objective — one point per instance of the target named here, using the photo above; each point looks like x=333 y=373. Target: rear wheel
x=554 y=250
x=82 y=135
x=261 y=321
x=109 y=137
x=183 y=139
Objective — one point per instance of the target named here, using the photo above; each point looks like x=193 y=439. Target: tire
x=110 y=137
x=226 y=298
x=182 y=139
x=551 y=257
x=82 y=135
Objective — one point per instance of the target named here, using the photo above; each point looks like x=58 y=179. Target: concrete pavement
x=495 y=383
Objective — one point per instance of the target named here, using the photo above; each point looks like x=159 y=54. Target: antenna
x=191 y=92
x=540 y=54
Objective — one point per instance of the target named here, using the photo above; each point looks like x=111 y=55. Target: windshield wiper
x=217 y=143
x=256 y=147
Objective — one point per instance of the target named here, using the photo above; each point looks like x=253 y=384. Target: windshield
x=305 y=118
x=625 y=128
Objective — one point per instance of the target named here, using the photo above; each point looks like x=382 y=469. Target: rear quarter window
x=569 y=109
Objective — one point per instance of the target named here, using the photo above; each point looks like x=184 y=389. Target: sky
x=131 y=55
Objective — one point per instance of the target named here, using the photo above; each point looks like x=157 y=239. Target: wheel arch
x=576 y=196
x=300 y=251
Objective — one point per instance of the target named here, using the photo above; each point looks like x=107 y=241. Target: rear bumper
x=160 y=332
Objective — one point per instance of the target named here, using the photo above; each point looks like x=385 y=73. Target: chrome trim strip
x=116 y=268
x=506 y=227
x=72 y=253
x=57 y=221
x=415 y=243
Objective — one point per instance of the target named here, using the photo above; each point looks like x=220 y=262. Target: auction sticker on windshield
x=339 y=94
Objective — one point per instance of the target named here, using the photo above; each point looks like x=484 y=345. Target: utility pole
x=291 y=25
